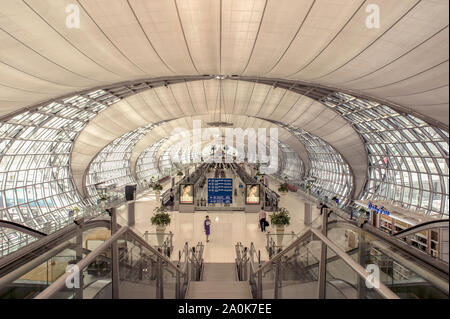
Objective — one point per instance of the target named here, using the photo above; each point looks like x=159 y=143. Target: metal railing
x=163 y=275
x=273 y=269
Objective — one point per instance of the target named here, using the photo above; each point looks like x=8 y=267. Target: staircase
x=219 y=282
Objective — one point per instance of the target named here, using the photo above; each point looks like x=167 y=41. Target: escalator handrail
x=146 y=245
x=382 y=289
x=82 y=264
x=22 y=228
x=433 y=224
x=52 y=240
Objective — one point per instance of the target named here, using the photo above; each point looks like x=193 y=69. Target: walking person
x=262 y=219
x=171 y=199
x=207 y=226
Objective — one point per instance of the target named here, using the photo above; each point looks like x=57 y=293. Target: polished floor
x=227 y=229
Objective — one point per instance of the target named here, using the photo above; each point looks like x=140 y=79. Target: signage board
x=186 y=194
x=252 y=194
x=220 y=190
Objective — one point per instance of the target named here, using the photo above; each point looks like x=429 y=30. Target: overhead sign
x=376 y=210
x=220 y=190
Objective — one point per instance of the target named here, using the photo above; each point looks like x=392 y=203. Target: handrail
x=61 y=281
x=144 y=243
x=382 y=289
x=22 y=228
x=443 y=223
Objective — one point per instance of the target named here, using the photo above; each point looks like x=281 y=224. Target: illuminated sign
x=187 y=194
x=376 y=210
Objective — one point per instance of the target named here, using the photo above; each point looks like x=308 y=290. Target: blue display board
x=220 y=190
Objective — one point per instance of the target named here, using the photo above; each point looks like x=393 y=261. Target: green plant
x=280 y=218
x=362 y=210
x=103 y=197
x=283 y=188
x=160 y=217
x=180 y=173
x=157 y=186
x=76 y=209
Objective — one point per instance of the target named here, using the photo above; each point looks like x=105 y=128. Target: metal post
x=160 y=279
x=323 y=259
x=131 y=215
x=178 y=286
x=79 y=256
x=362 y=257
x=114 y=256
x=260 y=288
x=277 y=280
x=308 y=218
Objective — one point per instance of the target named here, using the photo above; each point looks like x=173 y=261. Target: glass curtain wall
x=110 y=171
x=36 y=187
x=408 y=158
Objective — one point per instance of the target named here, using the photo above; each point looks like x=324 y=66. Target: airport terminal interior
x=224 y=149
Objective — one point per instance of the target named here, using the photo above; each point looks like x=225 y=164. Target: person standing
x=207 y=226
x=171 y=198
x=262 y=219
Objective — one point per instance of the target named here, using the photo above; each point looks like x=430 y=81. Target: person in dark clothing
x=262 y=219
x=171 y=198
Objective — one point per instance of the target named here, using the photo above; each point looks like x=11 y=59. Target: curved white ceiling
x=322 y=42
x=242 y=104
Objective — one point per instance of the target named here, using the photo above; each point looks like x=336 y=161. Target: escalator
x=346 y=251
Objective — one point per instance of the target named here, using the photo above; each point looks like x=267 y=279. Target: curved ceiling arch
x=403 y=62
x=149 y=139
x=250 y=100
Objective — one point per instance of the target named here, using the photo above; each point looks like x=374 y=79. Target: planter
x=279 y=233
x=283 y=193
x=160 y=234
x=157 y=196
x=279 y=229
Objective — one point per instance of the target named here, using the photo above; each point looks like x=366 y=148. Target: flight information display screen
x=220 y=190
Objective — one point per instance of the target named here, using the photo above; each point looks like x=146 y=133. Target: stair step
x=219 y=272
x=218 y=289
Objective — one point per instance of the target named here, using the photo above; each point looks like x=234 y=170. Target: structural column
x=79 y=256
x=131 y=213
x=322 y=280
x=308 y=214
x=114 y=256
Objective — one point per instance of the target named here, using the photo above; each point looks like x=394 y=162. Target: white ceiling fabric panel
x=200 y=21
x=322 y=42
x=353 y=39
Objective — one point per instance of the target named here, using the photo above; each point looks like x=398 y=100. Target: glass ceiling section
x=329 y=174
x=147 y=164
x=35 y=146
x=110 y=170
x=36 y=187
x=408 y=158
x=291 y=164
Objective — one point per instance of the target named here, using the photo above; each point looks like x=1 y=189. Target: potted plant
x=180 y=173
x=280 y=219
x=160 y=219
x=157 y=187
x=283 y=189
